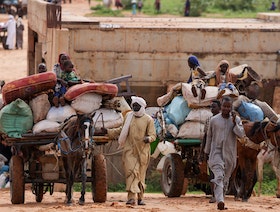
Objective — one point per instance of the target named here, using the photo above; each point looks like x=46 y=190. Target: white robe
x=11 y=32
x=222 y=149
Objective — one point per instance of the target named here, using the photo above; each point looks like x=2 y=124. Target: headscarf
x=19 y=22
x=218 y=72
x=141 y=102
x=59 y=57
x=140 y=113
x=193 y=59
x=11 y=17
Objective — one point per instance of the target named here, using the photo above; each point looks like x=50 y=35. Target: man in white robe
x=136 y=135
x=221 y=146
x=11 y=32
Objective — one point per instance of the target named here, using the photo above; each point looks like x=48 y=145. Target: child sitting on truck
x=68 y=78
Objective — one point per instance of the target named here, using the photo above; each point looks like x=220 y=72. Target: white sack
x=111 y=118
x=211 y=94
x=200 y=114
x=59 y=114
x=191 y=129
x=87 y=103
x=46 y=126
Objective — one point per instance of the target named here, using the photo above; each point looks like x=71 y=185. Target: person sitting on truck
x=225 y=79
x=58 y=67
x=68 y=78
x=196 y=76
x=42 y=68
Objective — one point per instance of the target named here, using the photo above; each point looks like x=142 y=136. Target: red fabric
x=100 y=88
x=25 y=87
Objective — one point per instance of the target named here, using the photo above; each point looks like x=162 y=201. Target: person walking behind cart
x=215 y=109
x=19 y=33
x=224 y=128
x=135 y=137
x=11 y=32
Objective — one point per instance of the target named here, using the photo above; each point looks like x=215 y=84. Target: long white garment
x=11 y=32
x=222 y=149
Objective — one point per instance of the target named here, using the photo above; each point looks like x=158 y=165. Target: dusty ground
x=155 y=202
x=13 y=65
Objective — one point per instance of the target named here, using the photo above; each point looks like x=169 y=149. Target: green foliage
x=100 y=10
x=153 y=182
x=269 y=183
x=235 y=5
x=120 y=187
x=214 y=8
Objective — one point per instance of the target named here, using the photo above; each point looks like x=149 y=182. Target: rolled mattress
x=107 y=89
x=26 y=87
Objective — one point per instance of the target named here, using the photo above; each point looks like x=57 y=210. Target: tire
x=172 y=177
x=99 y=182
x=16 y=180
x=39 y=192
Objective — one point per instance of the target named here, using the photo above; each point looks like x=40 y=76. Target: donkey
x=244 y=176
x=74 y=145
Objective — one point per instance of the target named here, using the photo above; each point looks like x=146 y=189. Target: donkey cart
x=39 y=160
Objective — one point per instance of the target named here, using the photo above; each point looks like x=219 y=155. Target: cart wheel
x=39 y=192
x=16 y=180
x=99 y=176
x=172 y=177
x=4 y=38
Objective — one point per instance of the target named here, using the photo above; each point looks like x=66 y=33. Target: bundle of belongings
x=184 y=116
x=27 y=107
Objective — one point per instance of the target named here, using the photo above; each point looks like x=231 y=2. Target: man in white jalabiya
x=11 y=32
x=135 y=137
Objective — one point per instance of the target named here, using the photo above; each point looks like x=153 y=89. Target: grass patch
x=209 y=9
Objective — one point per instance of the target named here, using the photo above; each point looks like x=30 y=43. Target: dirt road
x=155 y=202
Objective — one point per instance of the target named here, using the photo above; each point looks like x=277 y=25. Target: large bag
x=200 y=114
x=177 y=110
x=46 y=126
x=107 y=118
x=87 y=103
x=40 y=106
x=59 y=114
x=16 y=118
x=191 y=129
x=250 y=111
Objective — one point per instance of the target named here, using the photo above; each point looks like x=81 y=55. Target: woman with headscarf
x=196 y=76
x=19 y=33
x=60 y=88
x=135 y=137
x=11 y=32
